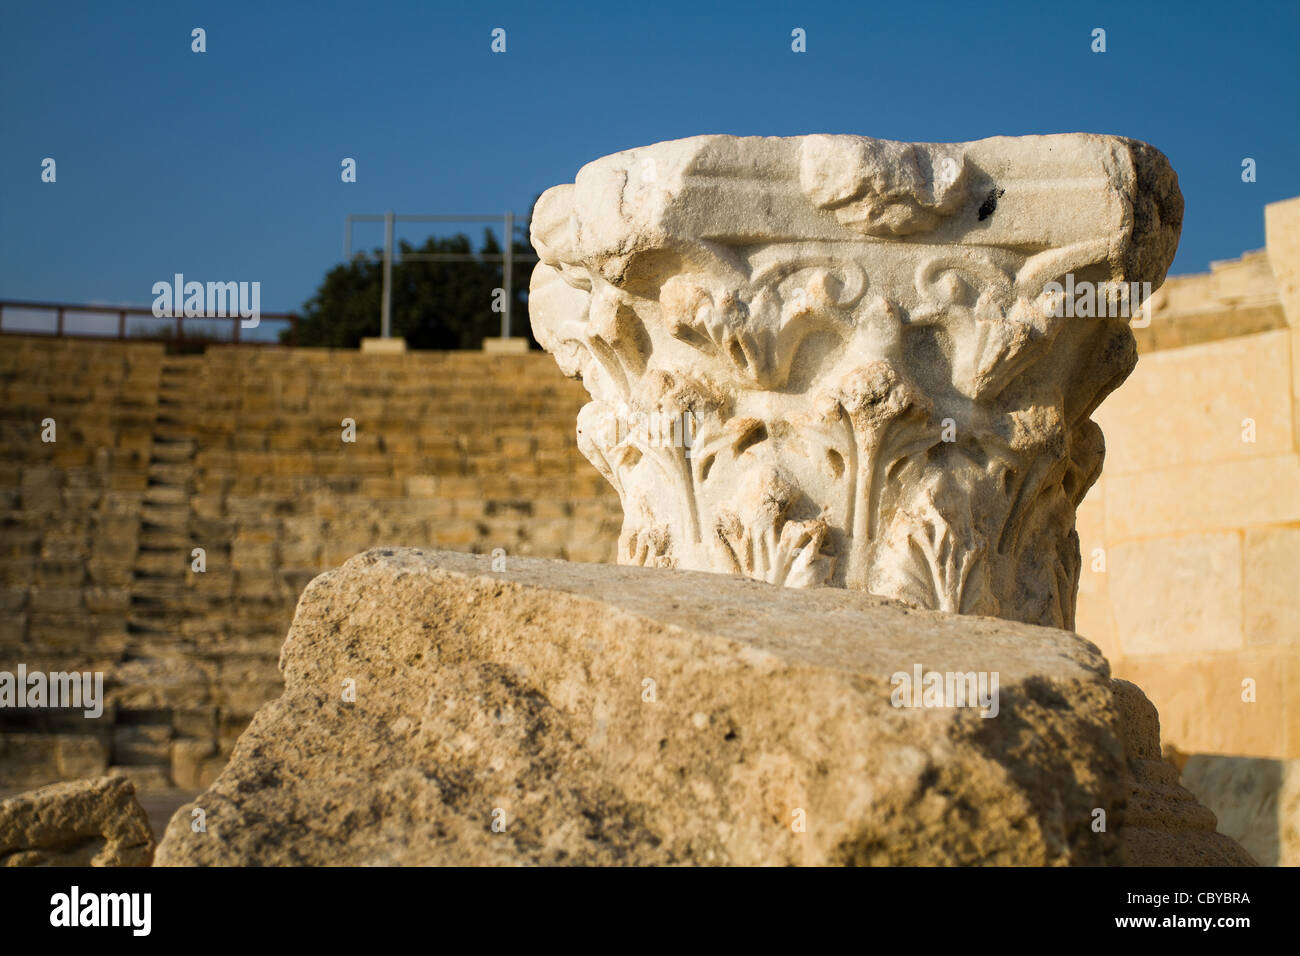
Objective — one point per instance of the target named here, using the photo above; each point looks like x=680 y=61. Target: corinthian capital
x=870 y=351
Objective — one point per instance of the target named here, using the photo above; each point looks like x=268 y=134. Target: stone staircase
x=155 y=662
x=157 y=598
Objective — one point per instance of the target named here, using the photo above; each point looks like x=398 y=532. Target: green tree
x=436 y=304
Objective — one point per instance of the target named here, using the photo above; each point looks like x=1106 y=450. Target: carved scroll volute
x=833 y=360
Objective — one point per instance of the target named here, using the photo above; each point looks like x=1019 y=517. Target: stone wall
x=1236 y=297
x=240 y=452
x=1191 y=539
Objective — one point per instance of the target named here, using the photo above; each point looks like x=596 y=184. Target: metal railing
x=169 y=329
x=507 y=257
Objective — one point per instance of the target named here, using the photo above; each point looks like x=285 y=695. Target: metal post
x=507 y=270
x=386 y=319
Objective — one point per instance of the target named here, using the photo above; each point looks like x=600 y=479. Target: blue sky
x=225 y=165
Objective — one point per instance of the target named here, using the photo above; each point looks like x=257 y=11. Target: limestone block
x=1178 y=595
x=1282 y=232
x=1187 y=406
x=247 y=697
x=107 y=600
x=133 y=481
x=55 y=600
x=135 y=745
x=40 y=491
x=1295 y=384
x=864 y=347
x=249 y=554
x=197 y=722
x=1271 y=585
x=93 y=822
x=28 y=760
x=1210 y=497
x=161 y=681
x=162 y=562
x=111 y=573
x=81 y=755
x=66 y=631
x=301 y=553
x=189 y=762
x=607 y=715
x=1204 y=705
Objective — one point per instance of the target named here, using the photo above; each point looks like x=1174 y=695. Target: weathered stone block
x=141 y=744
x=1164 y=824
x=85 y=823
x=197 y=722
x=1282 y=228
x=189 y=762
x=626 y=715
x=81 y=755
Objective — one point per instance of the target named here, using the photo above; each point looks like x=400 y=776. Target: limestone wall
x=240 y=452
x=1191 y=539
x=1236 y=297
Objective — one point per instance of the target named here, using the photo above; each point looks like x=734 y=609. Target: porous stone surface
x=834 y=360
x=1164 y=824
x=95 y=822
x=617 y=715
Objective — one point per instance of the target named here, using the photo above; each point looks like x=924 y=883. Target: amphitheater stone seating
x=240 y=452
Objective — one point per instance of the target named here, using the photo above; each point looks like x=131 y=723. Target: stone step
x=166 y=515
x=154 y=618
x=166 y=495
x=164 y=539
x=180 y=403
x=167 y=562
x=182 y=389
x=154 y=598
x=171 y=473
x=158 y=625
x=169 y=427
x=171 y=450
